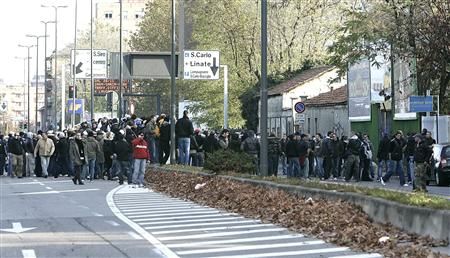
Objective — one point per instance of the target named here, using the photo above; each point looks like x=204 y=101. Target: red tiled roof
x=299 y=79
x=331 y=98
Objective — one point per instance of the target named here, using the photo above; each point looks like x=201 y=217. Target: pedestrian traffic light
x=70 y=92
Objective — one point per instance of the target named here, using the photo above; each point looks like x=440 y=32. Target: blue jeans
x=395 y=166
x=380 y=167
x=139 y=171
x=184 y=145
x=319 y=167
x=293 y=169
x=410 y=168
x=304 y=170
x=124 y=168
x=153 y=150
x=91 y=169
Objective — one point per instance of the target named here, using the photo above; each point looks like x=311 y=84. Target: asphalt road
x=53 y=218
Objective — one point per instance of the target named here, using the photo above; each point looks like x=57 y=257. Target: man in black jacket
x=122 y=150
x=396 y=152
x=3 y=154
x=352 y=162
x=422 y=155
x=183 y=131
x=16 y=149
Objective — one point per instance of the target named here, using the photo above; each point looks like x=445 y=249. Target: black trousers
x=164 y=151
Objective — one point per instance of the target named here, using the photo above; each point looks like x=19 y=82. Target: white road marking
x=250 y=247
x=146 y=235
x=187 y=225
x=359 y=256
x=36 y=182
x=150 y=206
x=134 y=235
x=57 y=192
x=161 y=209
x=97 y=214
x=171 y=214
x=160 y=203
x=236 y=240
x=219 y=234
x=207 y=229
x=112 y=223
x=183 y=217
x=28 y=253
x=190 y=220
x=167 y=212
x=302 y=252
x=48 y=188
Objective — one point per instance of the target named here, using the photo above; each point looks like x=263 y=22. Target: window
x=125 y=15
x=108 y=15
x=139 y=15
x=317 y=125
x=309 y=125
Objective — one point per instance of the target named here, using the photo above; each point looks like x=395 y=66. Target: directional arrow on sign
x=4 y=106
x=78 y=68
x=16 y=228
x=214 y=68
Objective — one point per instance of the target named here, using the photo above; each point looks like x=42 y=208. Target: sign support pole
x=74 y=72
x=437 y=121
x=63 y=99
x=225 y=96
x=92 y=68
x=263 y=120
x=173 y=103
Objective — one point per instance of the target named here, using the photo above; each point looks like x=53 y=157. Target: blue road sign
x=421 y=104
x=299 y=107
x=78 y=106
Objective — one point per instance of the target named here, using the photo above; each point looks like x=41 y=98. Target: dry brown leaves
x=337 y=222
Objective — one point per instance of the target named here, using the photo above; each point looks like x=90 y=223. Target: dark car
x=440 y=172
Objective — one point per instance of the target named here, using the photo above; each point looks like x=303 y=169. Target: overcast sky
x=21 y=17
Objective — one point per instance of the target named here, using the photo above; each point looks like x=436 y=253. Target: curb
x=419 y=220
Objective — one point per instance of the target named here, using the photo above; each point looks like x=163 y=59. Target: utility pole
x=29 y=95
x=120 y=63
x=172 y=90
x=74 y=71
x=37 y=77
x=263 y=120
x=92 y=69
x=56 y=7
x=46 y=112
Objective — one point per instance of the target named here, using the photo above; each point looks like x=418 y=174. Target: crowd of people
x=120 y=149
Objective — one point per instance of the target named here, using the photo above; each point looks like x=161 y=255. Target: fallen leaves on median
x=337 y=222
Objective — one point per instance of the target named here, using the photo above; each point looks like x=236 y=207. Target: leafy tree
x=298 y=32
x=415 y=29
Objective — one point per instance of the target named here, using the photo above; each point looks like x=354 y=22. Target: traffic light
x=70 y=92
x=25 y=126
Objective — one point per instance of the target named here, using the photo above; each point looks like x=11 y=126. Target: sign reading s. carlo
x=83 y=63
x=358 y=81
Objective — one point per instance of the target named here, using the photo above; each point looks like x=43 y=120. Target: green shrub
x=230 y=161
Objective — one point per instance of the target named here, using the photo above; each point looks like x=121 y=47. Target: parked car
x=440 y=171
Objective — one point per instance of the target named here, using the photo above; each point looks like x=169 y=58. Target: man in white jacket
x=44 y=148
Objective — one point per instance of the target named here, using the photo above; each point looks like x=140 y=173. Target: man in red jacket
x=140 y=155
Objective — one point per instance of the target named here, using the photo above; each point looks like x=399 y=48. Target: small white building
x=282 y=118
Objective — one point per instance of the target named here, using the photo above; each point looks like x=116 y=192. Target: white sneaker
x=405 y=185
x=382 y=181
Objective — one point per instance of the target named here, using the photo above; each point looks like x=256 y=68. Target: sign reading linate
x=109 y=85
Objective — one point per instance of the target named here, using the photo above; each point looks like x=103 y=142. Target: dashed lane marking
x=28 y=253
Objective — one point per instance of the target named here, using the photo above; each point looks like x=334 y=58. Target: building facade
x=132 y=13
x=282 y=118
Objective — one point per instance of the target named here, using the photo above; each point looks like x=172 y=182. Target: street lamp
x=28 y=57
x=56 y=7
x=45 y=75
x=37 y=73
x=24 y=86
